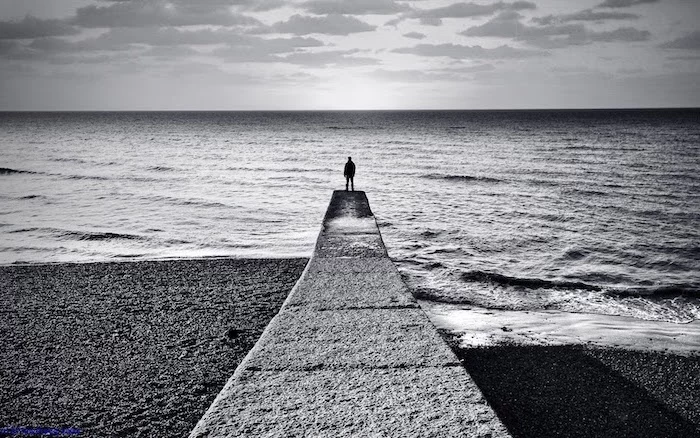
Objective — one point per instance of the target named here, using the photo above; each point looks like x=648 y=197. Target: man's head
x=349 y=158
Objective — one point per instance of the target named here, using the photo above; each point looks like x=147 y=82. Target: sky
x=348 y=54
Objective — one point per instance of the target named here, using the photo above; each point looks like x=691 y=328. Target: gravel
x=130 y=349
x=580 y=391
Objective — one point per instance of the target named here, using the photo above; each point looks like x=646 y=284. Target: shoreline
x=150 y=259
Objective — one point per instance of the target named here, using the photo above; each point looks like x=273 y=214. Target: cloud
x=170 y=52
x=246 y=5
x=411 y=76
x=430 y=76
x=687 y=42
x=339 y=58
x=124 y=39
x=630 y=71
x=154 y=13
x=508 y=25
x=12 y=49
x=168 y=42
x=257 y=5
x=684 y=58
x=32 y=27
x=585 y=15
x=209 y=71
x=333 y=24
x=60 y=51
x=170 y=36
x=457 y=51
x=623 y=3
x=239 y=54
x=283 y=45
x=572 y=69
x=433 y=17
x=353 y=7
x=254 y=49
x=479 y=68
x=61 y=45
x=624 y=34
x=101 y=59
x=415 y=35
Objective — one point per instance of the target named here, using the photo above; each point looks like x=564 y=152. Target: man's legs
x=347 y=179
x=352 y=183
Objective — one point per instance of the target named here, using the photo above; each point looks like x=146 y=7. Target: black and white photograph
x=350 y=218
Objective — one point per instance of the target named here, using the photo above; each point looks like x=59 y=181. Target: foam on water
x=477 y=327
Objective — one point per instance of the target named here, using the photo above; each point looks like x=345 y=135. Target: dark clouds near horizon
x=274 y=54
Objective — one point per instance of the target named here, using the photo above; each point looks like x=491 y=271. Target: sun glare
x=356 y=94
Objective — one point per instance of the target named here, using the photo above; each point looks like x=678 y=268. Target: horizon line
x=352 y=110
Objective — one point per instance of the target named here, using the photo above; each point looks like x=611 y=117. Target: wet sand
x=130 y=349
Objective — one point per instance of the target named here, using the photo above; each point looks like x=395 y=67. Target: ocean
x=571 y=211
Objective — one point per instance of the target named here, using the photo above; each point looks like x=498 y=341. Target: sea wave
x=76 y=235
x=100 y=236
x=677 y=309
x=68 y=160
x=86 y=177
x=465 y=178
x=670 y=290
x=531 y=283
x=401 y=142
x=8 y=171
x=204 y=203
x=162 y=169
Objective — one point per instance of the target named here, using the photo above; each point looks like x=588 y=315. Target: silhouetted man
x=349 y=174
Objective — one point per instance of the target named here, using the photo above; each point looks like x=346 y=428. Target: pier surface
x=350 y=353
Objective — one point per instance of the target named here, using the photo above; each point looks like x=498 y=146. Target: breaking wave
x=464 y=178
x=691 y=290
x=532 y=283
x=7 y=171
x=97 y=236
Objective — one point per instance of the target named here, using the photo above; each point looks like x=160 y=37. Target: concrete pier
x=350 y=353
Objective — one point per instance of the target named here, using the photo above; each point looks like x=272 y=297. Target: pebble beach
x=137 y=349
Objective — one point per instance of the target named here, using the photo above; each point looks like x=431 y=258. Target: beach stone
x=350 y=353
